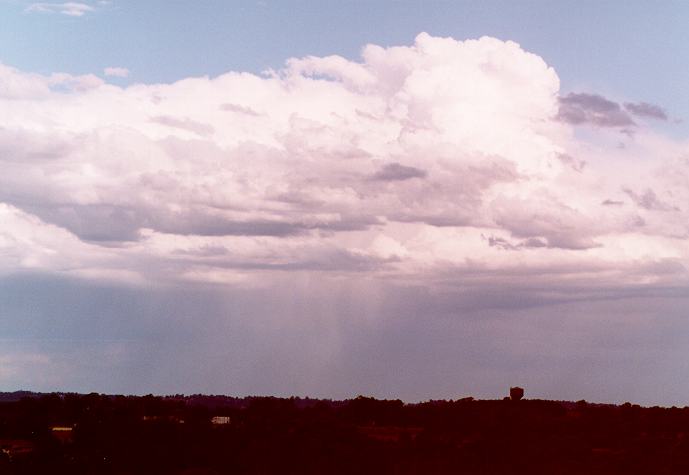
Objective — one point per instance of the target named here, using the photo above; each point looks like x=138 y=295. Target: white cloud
x=441 y=160
x=68 y=8
x=15 y=84
x=116 y=72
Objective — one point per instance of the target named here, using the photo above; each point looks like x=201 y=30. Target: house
x=220 y=420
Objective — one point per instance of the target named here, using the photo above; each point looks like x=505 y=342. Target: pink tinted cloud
x=399 y=164
x=75 y=9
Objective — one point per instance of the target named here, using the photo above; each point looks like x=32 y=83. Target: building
x=220 y=420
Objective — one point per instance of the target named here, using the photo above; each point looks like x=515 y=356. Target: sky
x=415 y=200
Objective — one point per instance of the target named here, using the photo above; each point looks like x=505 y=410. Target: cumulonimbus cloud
x=399 y=164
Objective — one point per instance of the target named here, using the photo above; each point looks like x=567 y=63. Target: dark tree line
x=175 y=435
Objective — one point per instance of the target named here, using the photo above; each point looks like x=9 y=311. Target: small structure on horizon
x=516 y=393
x=220 y=420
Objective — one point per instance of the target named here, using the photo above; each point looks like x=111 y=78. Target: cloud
x=238 y=109
x=609 y=202
x=577 y=165
x=16 y=85
x=184 y=124
x=644 y=109
x=417 y=208
x=68 y=8
x=397 y=172
x=648 y=200
x=583 y=108
x=116 y=72
x=395 y=165
x=502 y=243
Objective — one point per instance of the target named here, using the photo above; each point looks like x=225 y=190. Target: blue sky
x=425 y=215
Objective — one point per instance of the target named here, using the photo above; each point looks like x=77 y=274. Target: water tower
x=516 y=393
